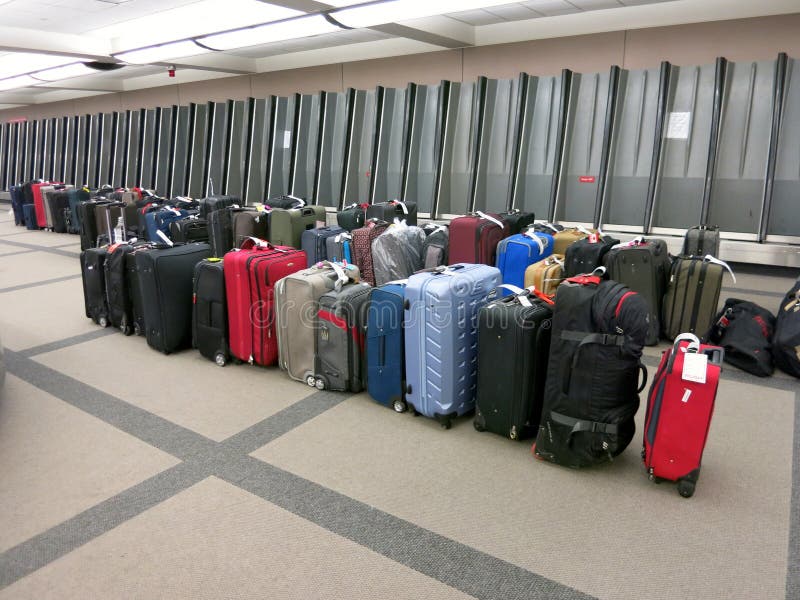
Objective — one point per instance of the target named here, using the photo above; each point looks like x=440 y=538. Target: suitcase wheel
x=137 y=330
x=311 y=381
x=479 y=423
x=103 y=322
x=686 y=488
x=126 y=329
x=319 y=384
x=220 y=359
x=400 y=406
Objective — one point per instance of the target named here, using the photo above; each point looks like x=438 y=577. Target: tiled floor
x=126 y=473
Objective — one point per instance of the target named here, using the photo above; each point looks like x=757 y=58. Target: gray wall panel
x=424 y=146
x=391 y=146
x=458 y=150
x=333 y=148
x=306 y=146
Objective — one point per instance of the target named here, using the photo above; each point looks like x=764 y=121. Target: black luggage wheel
x=686 y=488
x=220 y=359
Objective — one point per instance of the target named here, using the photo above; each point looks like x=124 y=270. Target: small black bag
x=786 y=342
x=745 y=330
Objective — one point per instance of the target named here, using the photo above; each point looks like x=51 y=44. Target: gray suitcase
x=397 y=253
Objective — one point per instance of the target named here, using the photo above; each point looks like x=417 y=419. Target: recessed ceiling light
x=161 y=53
x=17 y=82
x=404 y=10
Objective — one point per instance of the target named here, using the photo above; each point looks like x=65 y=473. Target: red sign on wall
x=586 y=178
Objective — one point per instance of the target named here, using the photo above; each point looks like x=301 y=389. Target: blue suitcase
x=314 y=243
x=159 y=220
x=441 y=316
x=29 y=212
x=17 y=203
x=517 y=252
x=385 y=360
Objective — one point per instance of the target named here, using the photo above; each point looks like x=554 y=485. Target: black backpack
x=585 y=255
x=786 y=342
x=592 y=390
x=745 y=330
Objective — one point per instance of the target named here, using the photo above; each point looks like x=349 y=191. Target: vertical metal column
x=608 y=136
x=664 y=77
x=563 y=115
x=716 y=118
x=444 y=107
x=778 y=97
x=380 y=104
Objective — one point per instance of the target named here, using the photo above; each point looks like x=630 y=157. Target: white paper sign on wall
x=287 y=139
x=678 y=125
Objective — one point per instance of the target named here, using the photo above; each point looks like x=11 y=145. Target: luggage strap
x=584 y=425
x=483 y=215
x=722 y=263
x=605 y=339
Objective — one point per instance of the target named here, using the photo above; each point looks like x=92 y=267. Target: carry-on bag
x=188 y=230
x=441 y=334
x=134 y=288
x=162 y=219
x=53 y=206
x=76 y=196
x=386 y=372
x=59 y=209
x=338 y=248
x=296 y=315
x=165 y=281
x=397 y=253
x=93 y=274
x=518 y=221
x=110 y=222
x=250 y=277
x=701 y=240
x=361 y=247
x=546 y=275
x=17 y=203
x=29 y=214
x=745 y=330
x=434 y=250
x=220 y=232
x=118 y=294
x=88 y=219
x=340 y=363
x=563 y=238
x=518 y=252
x=679 y=410
x=786 y=341
x=586 y=254
x=513 y=349
x=389 y=211
x=314 y=242
x=210 y=311
x=474 y=238
x=592 y=390
x=692 y=296
x=247 y=223
x=352 y=217
x=38 y=203
x=285 y=202
x=212 y=203
x=286 y=226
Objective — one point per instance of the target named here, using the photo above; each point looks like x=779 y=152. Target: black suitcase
x=93 y=274
x=87 y=218
x=165 y=281
x=434 y=250
x=352 y=217
x=786 y=342
x=700 y=241
x=134 y=289
x=389 y=211
x=210 y=312
x=518 y=221
x=247 y=223
x=585 y=255
x=285 y=202
x=118 y=295
x=510 y=392
x=188 y=230
x=212 y=203
x=220 y=232
x=59 y=202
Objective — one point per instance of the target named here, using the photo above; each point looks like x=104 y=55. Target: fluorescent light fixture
x=18 y=63
x=271 y=32
x=65 y=72
x=17 y=82
x=404 y=10
x=341 y=3
x=164 y=52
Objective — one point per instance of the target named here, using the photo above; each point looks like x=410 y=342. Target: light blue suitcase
x=517 y=252
x=441 y=319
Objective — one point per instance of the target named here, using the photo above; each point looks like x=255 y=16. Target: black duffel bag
x=786 y=342
x=745 y=329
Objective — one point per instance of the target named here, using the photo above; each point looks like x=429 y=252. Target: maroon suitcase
x=362 y=247
x=474 y=238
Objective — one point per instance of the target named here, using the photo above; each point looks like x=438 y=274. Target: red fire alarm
x=171 y=71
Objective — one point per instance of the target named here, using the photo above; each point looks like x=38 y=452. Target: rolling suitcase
x=210 y=311
x=397 y=253
x=250 y=277
x=474 y=238
x=220 y=232
x=54 y=206
x=134 y=288
x=286 y=226
x=76 y=196
x=165 y=284
x=38 y=203
x=352 y=217
x=339 y=247
x=93 y=274
x=314 y=242
x=29 y=214
x=296 y=313
x=592 y=393
x=518 y=221
x=246 y=223
x=586 y=254
x=679 y=410
x=162 y=219
x=110 y=221
x=361 y=248
x=546 y=275
x=389 y=211
x=786 y=342
x=212 y=203
x=59 y=209
x=692 y=296
x=510 y=392
x=385 y=348
x=88 y=220
x=118 y=295
x=340 y=363
x=745 y=331
x=700 y=241
x=17 y=203
x=564 y=238
x=188 y=230
x=518 y=252
x=285 y=202
x=441 y=334
x=434 y=250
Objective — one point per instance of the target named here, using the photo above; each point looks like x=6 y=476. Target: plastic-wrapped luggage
x=397 y=253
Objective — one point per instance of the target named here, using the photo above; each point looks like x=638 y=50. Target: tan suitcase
x=567 y=237
x=546 y=274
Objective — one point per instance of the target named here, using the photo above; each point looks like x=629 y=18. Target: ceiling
x=42 y=34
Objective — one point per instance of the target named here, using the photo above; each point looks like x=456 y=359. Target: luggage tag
x=164 y=238
x=483 y=215
x=542 y=242
x=695 y=366
x=716 y=261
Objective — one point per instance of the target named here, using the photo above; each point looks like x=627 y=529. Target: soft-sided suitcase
x=296 y=313
x=385 y=359
x=441 y=334
x=162 y=219
x=250 y=277
x=692 y=296
x=340 y=363
x=135 y=290
x=220 y=232
x=59 y=209
x=210 y=311
x=586 y=254
x=701 y=240
x=109 y=219
x=389 y=211
x=165 y=281
x=546 y=275
x=286 y=226
x=118 y=294
x=212 y=203
x=88 y=220
x=592 y=392
x=745 y=330
x=474 y=238
x=339 y=247
x=397 y=253
x=513 y=347
x=518 y=252
x=434 y=250
x=38 y=203
x=314 y=242
x=17 y=203
x=29 y=214
x=564 y=238
x=352 y=217
x=361 y=247
x=518 y=221
x=247 y=223
x=76 y=196
x=644 y=266
x=93 y=274
x=786 y=341
x=188 y=230
x=679 y=410
x=285 y=202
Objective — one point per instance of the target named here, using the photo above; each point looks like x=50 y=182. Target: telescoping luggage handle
x=714 y=353
x=341 y=276
x=251 y=242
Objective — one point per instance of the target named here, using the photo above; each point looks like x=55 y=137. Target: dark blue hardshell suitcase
x=385 y=358
x=314 y=243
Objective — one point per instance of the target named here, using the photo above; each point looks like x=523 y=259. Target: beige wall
x=699 y=43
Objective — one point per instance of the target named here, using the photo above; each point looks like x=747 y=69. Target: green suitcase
x=286 y=227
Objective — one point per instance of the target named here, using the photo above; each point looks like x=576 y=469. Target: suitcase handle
x=643 y=370
x=251 y=242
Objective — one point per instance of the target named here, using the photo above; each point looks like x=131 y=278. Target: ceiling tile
x=476 y=17
x=552 y=8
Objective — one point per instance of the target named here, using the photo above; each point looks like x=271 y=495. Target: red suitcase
x=250 y=277
x=362 y=247
x=474 y=238
x=38 y=203
x=679 y=409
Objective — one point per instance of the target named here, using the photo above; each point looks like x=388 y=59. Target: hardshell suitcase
x=210 y=311
x=389 y=211
x=250 y=277
x=29 y=214
x=352 y=217
x=434 y=250
x=546 y=275
x=474 y=238
x=247 y=223
x=314 y=242
x=692 y=296
x=340 y=363
x=220 y=232
x=518 y=252
x=510 y=392
x=441 y=334
x=339 y=247
x=679 y=410
x=93 y=274
x=286 y=226
x=212 y=203
x=701 y=240
x=786 y=342
x=518 y=221
x=118 y=294
x=165 y=280
x=586 y=254
x=38 y=203
x=361 y=248
x=296 y=313
x=397 y=253
x=385 y=350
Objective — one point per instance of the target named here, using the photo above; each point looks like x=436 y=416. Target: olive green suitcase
x=286 y=227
